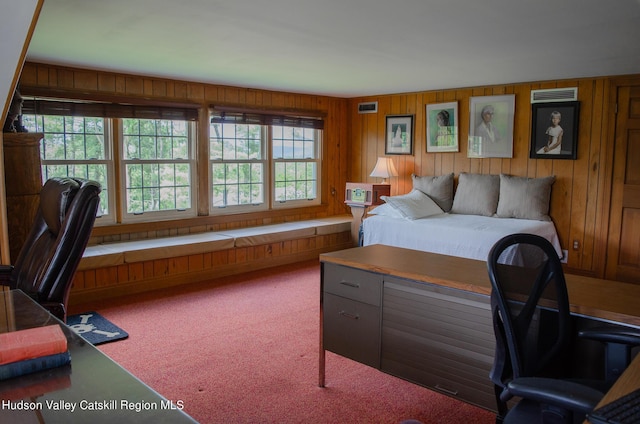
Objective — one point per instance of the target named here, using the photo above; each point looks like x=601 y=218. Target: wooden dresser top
x=605 y=299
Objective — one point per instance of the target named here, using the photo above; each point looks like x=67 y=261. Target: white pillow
x=414 y=205
x=385 y=209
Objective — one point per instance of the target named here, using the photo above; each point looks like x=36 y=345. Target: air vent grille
x=368 y=107
x=554 y=95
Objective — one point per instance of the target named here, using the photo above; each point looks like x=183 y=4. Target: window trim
x=39 y=103
x=108 y=162
x=267 y=119
x=247 y=208
x=114 y=108
x=295 y=203
x=151 y=216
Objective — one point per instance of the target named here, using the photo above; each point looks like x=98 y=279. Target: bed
x=484 y=209
x=467 y=236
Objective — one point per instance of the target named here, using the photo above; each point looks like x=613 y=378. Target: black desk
x=100 y=390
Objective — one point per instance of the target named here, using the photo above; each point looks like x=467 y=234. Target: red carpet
x=244 y=349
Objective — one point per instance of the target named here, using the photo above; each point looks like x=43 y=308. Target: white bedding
x=467 y=236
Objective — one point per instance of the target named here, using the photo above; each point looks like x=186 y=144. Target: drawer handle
x=350 y=284
x=443 y=389
x=348 y=315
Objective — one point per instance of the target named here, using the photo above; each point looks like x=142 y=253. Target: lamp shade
x=384 y=169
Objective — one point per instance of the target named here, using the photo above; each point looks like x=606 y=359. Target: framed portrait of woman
x=442 y=127
x=491 y=126
x=399 y=132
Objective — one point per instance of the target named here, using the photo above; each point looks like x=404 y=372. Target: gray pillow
x=525 y=198
x=477 y=194
x=439 y=188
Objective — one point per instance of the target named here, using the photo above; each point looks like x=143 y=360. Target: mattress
x=467 y=236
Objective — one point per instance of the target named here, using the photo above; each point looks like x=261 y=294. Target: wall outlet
x=565 y=256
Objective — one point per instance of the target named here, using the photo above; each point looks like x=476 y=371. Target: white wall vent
x=554 y=95
x=368 y=107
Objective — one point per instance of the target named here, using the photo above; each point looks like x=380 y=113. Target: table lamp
x=384 y=169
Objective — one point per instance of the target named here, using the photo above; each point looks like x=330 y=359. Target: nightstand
x=361 y=196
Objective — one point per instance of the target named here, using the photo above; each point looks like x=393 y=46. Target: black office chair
x=534 y=333
x=51 y=253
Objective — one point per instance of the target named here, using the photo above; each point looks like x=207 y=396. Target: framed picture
x=491 y=126
x=399 y=135
x=442 y=127
x=554 y=130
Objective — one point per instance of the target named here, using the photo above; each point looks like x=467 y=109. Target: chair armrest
x=618 y=344
x=56 y=309
x=5 y=274
x=609 y=335
x=560 y=393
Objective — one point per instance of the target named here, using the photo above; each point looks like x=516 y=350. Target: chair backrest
x=53 y=249
x=530 y=307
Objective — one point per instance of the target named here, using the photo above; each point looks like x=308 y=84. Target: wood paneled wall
x=65 y=82
x=352 y=142
x=580 y=194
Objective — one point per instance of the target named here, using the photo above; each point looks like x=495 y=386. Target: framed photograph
x=399 y=135
x=442 y=127
x=491 y=126
x=554 y=130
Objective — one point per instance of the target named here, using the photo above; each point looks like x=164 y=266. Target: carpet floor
x=244 y=349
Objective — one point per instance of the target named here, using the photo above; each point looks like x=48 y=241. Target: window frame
x=270 y=202
x=236 y=209
x=108 y=161
x=295 y=203
x=151 y=216
x=114 y=161
x=113 y=114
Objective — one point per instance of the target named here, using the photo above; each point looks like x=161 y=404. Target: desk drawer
x=352 y=283
x=471 y=391
x=440 y=338
x=352 y=329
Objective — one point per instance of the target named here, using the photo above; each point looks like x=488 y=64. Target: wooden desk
x=626 y=383
x=100 y=390
x=593 y=297
x=426 y=317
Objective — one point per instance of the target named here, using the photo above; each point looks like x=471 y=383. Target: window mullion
x=116 y=144
x=269 y=165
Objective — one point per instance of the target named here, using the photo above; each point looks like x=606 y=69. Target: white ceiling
x=345 y=48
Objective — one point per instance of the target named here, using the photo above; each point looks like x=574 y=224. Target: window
x=258 y=162
x=75 y=147
x=145 y=157
x=157 y=167
x=238 y=165
x=155 y=157
x=295 y=160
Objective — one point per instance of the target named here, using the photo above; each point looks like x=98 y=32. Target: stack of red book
x=31 y=350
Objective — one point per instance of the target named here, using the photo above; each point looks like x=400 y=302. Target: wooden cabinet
x=23 y=178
